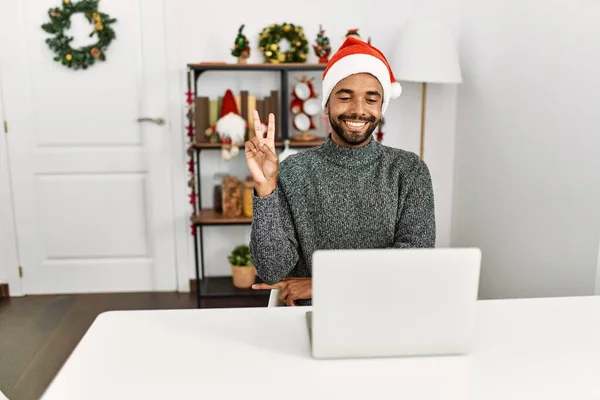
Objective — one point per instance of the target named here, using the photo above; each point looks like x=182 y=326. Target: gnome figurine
x=231 y=127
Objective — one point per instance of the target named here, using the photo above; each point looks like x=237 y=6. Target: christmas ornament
x=322 y=47
x=191 y=150
x=241 y=49
x=304 y=106
x=270 y=40
x=231 y=127
x=189 y=97
x=60 y=21
x=353 y=33
x=379 y=134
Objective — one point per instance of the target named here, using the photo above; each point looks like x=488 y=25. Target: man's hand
x=291 y=289
x=261 y=157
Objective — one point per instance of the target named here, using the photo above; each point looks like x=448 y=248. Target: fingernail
x=254 y=286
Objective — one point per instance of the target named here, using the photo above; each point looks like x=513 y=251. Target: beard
x=353 y=138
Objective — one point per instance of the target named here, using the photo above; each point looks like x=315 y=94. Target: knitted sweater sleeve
x=273 y=242
x=415 y=225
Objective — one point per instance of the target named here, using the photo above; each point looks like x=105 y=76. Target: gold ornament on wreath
x=270 y=44
x=60 y=22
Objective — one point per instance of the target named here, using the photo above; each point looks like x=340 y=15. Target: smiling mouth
x=355 y=124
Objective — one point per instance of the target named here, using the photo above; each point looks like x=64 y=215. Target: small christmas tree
x=322 y=47
x=241 y=49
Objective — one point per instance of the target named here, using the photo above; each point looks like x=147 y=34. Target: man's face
x=354 y=108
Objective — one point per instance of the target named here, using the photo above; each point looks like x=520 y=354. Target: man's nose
x=358 y=107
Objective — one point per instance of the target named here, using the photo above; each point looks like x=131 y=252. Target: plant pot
x=243 y=277
x=324 y=59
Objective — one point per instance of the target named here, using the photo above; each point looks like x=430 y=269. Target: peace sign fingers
x=258 y=132
x=271 y=128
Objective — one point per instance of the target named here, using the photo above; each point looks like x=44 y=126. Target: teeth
x=356 y=124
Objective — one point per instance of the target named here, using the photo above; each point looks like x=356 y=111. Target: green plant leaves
x=240 y=256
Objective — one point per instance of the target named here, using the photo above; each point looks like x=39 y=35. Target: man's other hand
x=290 y=289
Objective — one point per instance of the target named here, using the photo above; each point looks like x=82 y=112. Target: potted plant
x=243 y=271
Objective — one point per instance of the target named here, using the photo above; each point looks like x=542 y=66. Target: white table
x=525 y=349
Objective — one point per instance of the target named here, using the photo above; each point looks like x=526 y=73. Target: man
x=349 y=193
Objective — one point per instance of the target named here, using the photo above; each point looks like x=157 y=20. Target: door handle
x=157 y=121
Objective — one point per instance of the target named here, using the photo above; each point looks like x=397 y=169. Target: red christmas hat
x=228 y=105
x=356 y=56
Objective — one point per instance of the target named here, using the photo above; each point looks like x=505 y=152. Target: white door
x=91 y=184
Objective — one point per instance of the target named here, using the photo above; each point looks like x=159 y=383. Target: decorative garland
x=60 y=43
x=271 y=36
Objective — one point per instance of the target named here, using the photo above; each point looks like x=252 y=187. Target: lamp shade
x=426 y=52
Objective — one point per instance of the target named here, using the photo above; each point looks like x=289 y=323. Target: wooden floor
x=38 y=333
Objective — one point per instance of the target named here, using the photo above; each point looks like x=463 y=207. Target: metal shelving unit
x=221 y=286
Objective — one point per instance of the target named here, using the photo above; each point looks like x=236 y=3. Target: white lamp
x=426 y=53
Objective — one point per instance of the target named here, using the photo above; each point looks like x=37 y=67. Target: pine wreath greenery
x=60 y=21
x=271 y=37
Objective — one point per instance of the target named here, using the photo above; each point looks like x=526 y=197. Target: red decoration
x=190 y=131
x=298 y=107
x=353 y=32
x=322 y=47
x=190 y=98
x=191 y=166
x=192 y=198
x=379 y=133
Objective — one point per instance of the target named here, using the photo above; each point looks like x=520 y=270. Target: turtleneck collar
x=348 y=156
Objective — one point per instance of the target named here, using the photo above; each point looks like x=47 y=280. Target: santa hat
x=356 y=56
x=228 y=105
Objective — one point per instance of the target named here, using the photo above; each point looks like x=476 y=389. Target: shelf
x=278 y=144
x=208 y=216
x=222 y=286
x=209 y=66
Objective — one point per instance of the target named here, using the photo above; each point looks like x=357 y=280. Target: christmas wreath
x=60 y=20
x=270 y=39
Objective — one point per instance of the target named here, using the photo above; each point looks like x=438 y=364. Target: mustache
x=355 y=117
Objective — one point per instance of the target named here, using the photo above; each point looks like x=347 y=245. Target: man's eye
x=372 y=100
x=344 y=98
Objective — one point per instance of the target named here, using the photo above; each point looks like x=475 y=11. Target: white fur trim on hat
x=396 y=90
x=358 y=63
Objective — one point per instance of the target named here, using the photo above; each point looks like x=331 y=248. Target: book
x=201 y=118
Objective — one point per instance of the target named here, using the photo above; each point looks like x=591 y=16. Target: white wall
x=527 y=183
x=204 y=31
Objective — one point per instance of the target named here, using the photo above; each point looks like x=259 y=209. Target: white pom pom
x=234 y=150
x=396 y=90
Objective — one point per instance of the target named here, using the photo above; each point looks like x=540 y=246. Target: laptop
x=393 y=302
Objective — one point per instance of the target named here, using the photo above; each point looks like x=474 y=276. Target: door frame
x=9 y=253
x=597 y=291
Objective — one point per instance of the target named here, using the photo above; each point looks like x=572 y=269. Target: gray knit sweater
x=332 y=197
